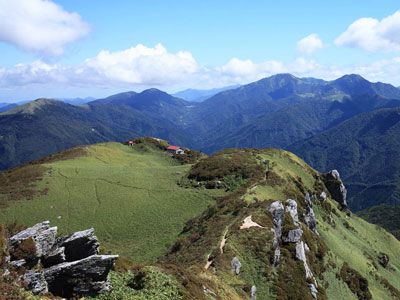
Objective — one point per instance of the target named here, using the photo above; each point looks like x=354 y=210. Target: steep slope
x=387 y=216
x=251 y=240
x=365 y=149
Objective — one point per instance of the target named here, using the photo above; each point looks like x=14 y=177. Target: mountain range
x=349 y=123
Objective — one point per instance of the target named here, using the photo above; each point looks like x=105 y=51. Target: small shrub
x=356 y=283
x=25 y=250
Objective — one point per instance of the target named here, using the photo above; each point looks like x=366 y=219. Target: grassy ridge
x=128 y=194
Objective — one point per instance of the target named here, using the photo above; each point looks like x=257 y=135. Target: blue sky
x=77 y=48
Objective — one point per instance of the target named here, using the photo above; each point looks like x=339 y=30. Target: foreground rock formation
x=68 y=266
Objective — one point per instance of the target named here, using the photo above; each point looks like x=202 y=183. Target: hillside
x=44 y=126
x=365 y=149
x=251 y=239
x=280 y=111
x=387 y=216
x=129 y=194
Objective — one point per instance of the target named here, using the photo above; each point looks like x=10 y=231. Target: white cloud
x=373 y=35
x=142 y=67
x=310 y=44
x=39 y=26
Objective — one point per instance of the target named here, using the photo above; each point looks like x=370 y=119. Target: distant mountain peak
x=33 y=106
x=352 y=78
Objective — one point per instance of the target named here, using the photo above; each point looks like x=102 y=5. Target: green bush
x=149 y=283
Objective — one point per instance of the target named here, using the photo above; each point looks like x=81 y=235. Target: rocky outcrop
x=293 y=236
x=277 y=210
x=66 y=266
x=291 y=207
x=309 y=216
x=336 y=187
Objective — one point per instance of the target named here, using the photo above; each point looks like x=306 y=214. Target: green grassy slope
x=387 y=216
x=343 y=238
x=131 y=197
x=128 y=194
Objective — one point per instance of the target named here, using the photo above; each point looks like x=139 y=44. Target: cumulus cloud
x=142 y=67
x=310 y=44
x=39 y=25
x=373 y=35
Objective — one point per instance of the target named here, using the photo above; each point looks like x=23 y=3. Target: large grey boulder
x=79 y=245
x=85 y=277
x=66 y=266
x=335 y=186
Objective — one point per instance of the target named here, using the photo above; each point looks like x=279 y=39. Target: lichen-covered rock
x=336 y=187
x=236 y=265
x=293 y=236
x=309 y=215
x=35 y=282
x=291 y=208
x=79 y=245
x=85 y=277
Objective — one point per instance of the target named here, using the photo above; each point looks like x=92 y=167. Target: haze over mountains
x=331 y=124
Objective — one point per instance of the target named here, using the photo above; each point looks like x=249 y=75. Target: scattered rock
x=253 y=292
x=336 y=187
x=309 y=215
x=383 y=259
x=322 y=196
x=236 y=265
